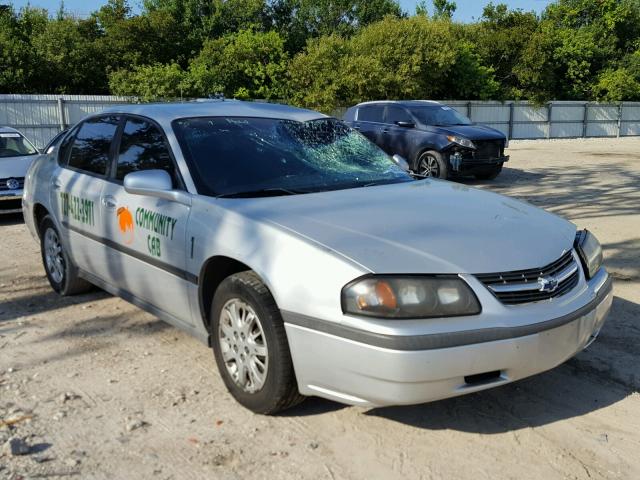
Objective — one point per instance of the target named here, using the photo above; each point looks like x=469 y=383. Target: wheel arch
x=213 y=272
x=39 y=212
x=423 y=148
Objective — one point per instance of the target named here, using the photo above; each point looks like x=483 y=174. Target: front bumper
x=364 y=370
x=10 y=201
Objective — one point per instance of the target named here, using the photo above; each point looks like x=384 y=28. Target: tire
x=431 y=164
x=61 y=272
x=489 y=175
x=254 y=359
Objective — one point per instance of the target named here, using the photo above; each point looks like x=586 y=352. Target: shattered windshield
x=237 y=156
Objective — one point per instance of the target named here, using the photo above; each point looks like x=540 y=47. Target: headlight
x=464 y=142
x=589 y=251
x=398 y=296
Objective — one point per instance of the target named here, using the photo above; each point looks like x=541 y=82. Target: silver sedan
x=291 y=245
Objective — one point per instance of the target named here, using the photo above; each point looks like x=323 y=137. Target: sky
x=467 y=11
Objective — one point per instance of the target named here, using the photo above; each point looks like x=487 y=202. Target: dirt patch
x=94 y=388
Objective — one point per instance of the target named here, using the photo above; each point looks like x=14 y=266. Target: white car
x=16 y=155
x=291 y=245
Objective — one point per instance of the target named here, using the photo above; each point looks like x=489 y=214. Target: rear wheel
x=250 y=345
x=489 y=174
x=431 y=164
x=61 y=272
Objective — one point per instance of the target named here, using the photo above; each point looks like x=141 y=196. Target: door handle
x=109 y=202
x=385 y=130
x=357 y=128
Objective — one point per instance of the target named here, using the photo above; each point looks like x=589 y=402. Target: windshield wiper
x=263 y=192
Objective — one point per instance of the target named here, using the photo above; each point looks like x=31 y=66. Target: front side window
x=90 y=149
x=12 y=144
x=142 y=147
x=372 y=113
x=397 y=114
x=262 y=156
x=439 y=115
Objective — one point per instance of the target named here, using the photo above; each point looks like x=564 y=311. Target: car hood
x=472 y=132
x=15 y=167
x=428 y=226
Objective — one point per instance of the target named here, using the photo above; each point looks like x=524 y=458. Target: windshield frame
x=203 y=189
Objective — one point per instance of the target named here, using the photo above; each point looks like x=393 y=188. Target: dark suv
x=437 y=140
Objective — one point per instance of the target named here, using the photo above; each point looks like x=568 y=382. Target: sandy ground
x=100 y=389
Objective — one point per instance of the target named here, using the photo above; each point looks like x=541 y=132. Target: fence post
x=61 y=114
x=549 y=110
x=585 y=119
x=512 y=108
x=619 y=119
x=469 y=110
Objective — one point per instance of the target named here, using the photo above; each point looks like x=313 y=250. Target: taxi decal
x=77 y=208
x=125 y=224
x=155 y=222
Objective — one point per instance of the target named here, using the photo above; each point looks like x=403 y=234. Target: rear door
x=369 y=121
x=396 y=139
x=76 y=188
x=147 y=234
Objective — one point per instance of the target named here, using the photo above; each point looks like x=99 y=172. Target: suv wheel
x=431 y=164
x=61 y=272
x=250 y=345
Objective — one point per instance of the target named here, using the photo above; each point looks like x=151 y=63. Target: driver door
x=147 y=234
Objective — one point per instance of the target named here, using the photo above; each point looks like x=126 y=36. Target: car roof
x=8 y=130
x=167 y=112
x=402 y=103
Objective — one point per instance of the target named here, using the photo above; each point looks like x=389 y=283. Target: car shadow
x=596 y=378
x=11 y=219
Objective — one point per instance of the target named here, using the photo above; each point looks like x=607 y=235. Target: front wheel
x=431 y=164
x=61 y=272
x=250 y=345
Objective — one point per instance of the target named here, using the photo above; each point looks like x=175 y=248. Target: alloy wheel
x=243 y=345
x=428 y=166
x=53 y=255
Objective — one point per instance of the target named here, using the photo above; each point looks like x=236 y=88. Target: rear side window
x=90 y=150
x=142 y=147
x=395 y=114
x=370 y=114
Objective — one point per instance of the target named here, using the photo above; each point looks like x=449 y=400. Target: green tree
x=150 y=82
x=299 y=20
x=500 y=37
x=391 y=59
x=247 y=64
x=575 y=41
x=209 y=19
x=444 y=9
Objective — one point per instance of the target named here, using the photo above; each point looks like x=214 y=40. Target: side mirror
x=406 y=124
x=154 y=183
x=401 y=162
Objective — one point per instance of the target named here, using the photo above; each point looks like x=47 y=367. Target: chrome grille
x=533 y=285
x=3 y=183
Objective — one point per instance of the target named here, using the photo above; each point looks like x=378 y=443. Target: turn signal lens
x=409 y=297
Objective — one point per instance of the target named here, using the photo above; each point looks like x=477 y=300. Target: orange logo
x=125 y=224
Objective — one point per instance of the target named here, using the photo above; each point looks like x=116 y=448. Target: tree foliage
x=324 y=53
